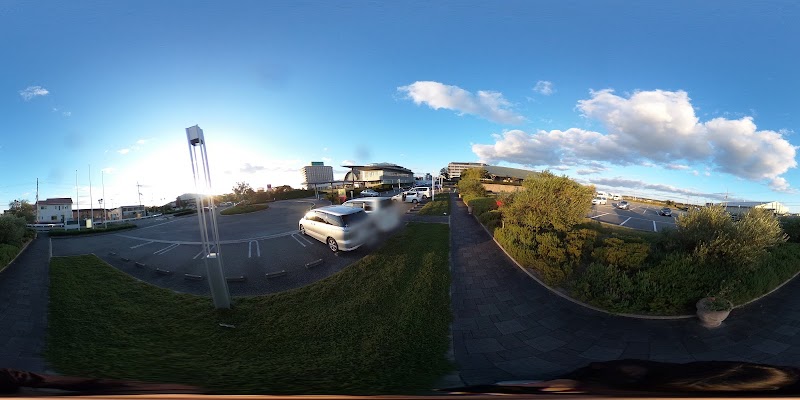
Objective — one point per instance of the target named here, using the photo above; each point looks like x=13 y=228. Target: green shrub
x=552 y=257
x=549 y=203
x=481 y=205
x=791 y=225
x=622 y=254
x=580 y=242
x=12 y=230
x=703 y=226
x=605 y=286
x=490 y=216
x=7 y=253
x=493 y=225
x=470 y=183
x=519 y=242
x=97 y=229
x=185 y=212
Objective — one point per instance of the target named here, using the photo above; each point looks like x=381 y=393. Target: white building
x=454 y=169
x=54 y=211
x=741 y=207
x=127 y=212
x=378 y=174
x=316 y=173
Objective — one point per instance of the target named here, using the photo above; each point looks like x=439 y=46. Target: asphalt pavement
x=641 y=216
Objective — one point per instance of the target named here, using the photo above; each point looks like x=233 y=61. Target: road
x=641 y=216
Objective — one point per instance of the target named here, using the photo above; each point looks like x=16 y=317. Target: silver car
x=340 y=227
x=381 y=210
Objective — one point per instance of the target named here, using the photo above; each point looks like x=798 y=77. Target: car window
x=367 y=207
x=334 y=220
x=318 y=216
x=354 y=218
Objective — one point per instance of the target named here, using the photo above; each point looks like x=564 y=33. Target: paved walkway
x=23 y=308
x=506 y=326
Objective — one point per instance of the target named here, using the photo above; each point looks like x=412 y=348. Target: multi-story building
x=378 y=174
x=54 y=211
x=454 y=169
x=127 y=212
x=316 y=173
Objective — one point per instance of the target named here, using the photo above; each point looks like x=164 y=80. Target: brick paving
x=506 y=326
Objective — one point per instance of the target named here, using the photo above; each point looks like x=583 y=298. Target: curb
x=22 y=250
x=574 y=301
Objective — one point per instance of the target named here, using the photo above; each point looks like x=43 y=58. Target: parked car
x=599 y=200
x=424 y=191
x=665 y=212
x=624 y=205
x=408 y=197
x=369 y=193
x=381 y=210
x=340 y=227
x=617 y=197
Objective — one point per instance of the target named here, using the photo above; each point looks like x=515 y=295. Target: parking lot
x=262 y=251
x=641 y=216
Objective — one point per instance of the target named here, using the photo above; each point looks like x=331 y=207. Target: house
x=54 y=211
x=378 y=174
x=127 y=212
x=97 y=214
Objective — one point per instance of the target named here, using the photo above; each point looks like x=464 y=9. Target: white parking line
x=166 y=249
x=202 y=251
x=599 y=215
x=140 y=245
x=623 y=222
x=298 y=241
x=654 y=227
x=250 y=249
x=305 y=238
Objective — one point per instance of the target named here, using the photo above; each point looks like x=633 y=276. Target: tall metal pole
x=216 y=276
x=37 y=200
x=91 y=203
x=77 y=201
x=105 y=213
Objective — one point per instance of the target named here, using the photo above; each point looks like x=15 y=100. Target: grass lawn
x=244 y=208
x=379 y=326
x=97 y=229
x=440 y=206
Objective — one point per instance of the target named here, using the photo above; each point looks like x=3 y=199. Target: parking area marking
x=305 y=238
x=166 y=249
x=654 y=227
x=202 y=252
x=599 y=215
x=250 y=249
x=298 y=240
x=140 y=245
x=623 y=222
x=163 y=223
x=234 y=241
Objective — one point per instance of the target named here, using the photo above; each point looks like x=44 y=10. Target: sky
x=691 y=101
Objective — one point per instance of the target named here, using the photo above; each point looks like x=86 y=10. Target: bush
x=185 y=212
x=7 y=253
x=490 y=216
x=551 y=260
x=12 y=230
x=518 y=242
x=481 y=205
x=294 y=194
x=579 y=243
x=470 y=183
x=791 y=225
x=549 y=203
x=97 y=229
x=617 y=252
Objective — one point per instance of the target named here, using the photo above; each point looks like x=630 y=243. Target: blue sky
x=678 y=100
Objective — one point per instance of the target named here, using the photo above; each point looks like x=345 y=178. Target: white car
x=341 y=228
x=599 y=200
x=369 y=193
x=424 y=191
x=408 y=197
x=624 y=205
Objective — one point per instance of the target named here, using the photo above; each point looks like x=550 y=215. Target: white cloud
x=249 y=169
x=67 y=113
x=141 y=141
x=695 y=173
x=544 y=88
x=486 y=104
x=632 y=184
x=33 y=91
x=677 y=167
x=124 y=151
x=348 y=162
x=652 y=128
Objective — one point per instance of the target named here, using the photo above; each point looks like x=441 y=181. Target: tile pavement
x=507 y=326
x=23 y=308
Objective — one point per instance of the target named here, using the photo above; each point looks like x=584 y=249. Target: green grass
x=440 y=206
x=244 y=208
x=379 y=326
x=97 y=229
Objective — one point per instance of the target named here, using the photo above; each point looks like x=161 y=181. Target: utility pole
x=37 y=200
x=91 y=204
x=105 y=214
x=77 y=201
x=139 y=190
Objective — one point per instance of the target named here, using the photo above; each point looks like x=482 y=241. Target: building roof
x=745 y=203
x=374 y=166
x=507 y=172
x=59 y=201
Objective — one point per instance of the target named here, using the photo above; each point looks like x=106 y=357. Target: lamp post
x=209 y=232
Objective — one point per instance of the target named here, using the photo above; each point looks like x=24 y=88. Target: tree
x=549 y=203
x=470 y=183
x=443 y=173
x=242 y=190
x=24 y=209
x=12 y=230
x=282 y=189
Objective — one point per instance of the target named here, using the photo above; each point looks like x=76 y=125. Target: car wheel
x=414 y=201
x=333 y=245
x=424 y=197
x=302 y=230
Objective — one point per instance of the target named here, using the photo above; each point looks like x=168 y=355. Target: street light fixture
x=209 y=232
